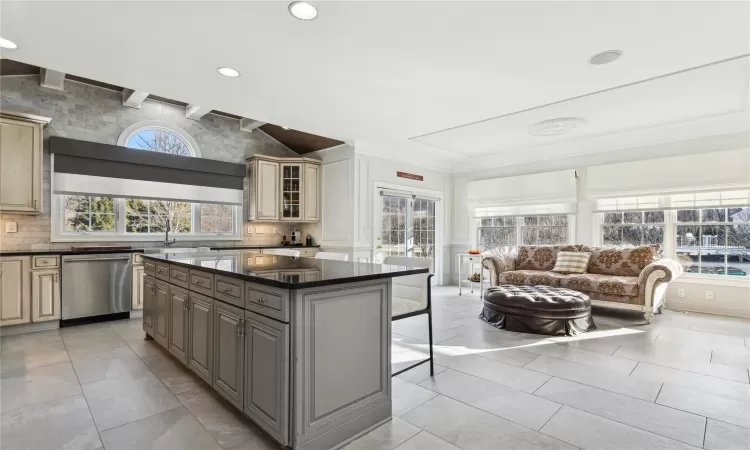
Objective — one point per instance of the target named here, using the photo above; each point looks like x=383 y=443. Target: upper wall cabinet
x=21 y=162
x=284 y=189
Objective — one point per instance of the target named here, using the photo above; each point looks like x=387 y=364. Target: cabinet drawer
x=149 y=267
x=269 y=302
x=178 y=276
x=43 y=262
x=230 y=290
x=472 y=258
x=162 y=271
x=201 y=282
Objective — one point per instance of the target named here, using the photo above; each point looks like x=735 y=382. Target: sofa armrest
x=652 y=282
x=498 y=264
x=671 y=269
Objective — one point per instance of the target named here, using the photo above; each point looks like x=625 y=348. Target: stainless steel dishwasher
x=95 y=288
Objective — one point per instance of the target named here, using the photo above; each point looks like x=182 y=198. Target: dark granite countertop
x=288 y=272
x=68 y=251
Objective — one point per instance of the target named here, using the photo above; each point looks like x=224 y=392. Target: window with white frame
x=708 y=232
x=505 y=234
x=94 y=218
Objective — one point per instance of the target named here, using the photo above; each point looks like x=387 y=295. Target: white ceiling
x=393 y=71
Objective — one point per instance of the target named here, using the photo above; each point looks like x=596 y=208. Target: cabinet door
x=15 y=291
x=229 y=360
x=200 y=336
x=147 y=295
x=267 y=374
x=45 y=295
x=20 y=166
x=291 y=192
x=267 y=200
x=178 y=318
x=139 y=273
x=161 y=309
x=311 y=191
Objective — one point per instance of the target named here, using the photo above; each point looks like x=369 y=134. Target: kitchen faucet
x=167 y=242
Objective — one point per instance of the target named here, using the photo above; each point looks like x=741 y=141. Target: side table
x=472 y=261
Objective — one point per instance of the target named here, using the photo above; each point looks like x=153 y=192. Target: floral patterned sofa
x=631 y=278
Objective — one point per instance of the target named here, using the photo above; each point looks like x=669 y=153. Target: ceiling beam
x=51 y=79
x=195 y=112
x=250 y=124
x=133 y=99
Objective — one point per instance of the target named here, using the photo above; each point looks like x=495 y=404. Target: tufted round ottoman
x=537 y=309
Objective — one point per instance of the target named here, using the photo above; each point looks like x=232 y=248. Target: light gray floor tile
x=407 y=396
x=731 y=326
x=646 y=351
x=591 y=432
x=606 y=341
x=426 y=441
x=519 y=407
x=30 y=341
x=27 y=387
x=492 y=347
x=63 y=423
x=697 y=337
x=686 y=363
x=87 y=339
x=596 y=377
x=145 y=349
x=472 y=429
x=661 y=374
x=30 y=357
x=505 y=374
x=735 y=356
x=219 y=418
x=725 y=436
x=584 y=357
x=170 y=430
x=678 y=425
x=406 y=351
x=420 y=373
x=725 y=409
x=176 y=377
x=416 y=327
x=108 y=363
x=118 y=401
x=386 y=437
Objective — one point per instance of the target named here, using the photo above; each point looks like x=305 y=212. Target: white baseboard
x=708 y=309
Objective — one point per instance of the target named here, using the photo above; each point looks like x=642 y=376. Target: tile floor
x=680 y=383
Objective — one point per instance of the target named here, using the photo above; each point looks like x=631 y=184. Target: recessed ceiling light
x=303 y=10
x=605 y=57
x=228 y=72
x=556 y=127
x=4 y=43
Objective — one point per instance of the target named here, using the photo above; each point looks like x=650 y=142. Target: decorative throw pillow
x=572 y=262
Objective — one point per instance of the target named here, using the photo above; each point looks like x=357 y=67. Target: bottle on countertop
x=308 y=241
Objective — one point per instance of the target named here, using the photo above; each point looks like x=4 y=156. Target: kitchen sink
x=177 y=250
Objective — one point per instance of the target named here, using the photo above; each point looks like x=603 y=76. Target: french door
x=407 y=226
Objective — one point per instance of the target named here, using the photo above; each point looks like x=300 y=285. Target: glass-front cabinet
x=291 y=192
x=283 y=189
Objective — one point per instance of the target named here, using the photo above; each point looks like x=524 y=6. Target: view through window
x=505 y=234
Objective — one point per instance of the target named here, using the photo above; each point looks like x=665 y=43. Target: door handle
x=241 y=328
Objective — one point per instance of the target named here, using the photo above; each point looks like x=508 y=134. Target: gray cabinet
x=267 y=374
x=147 y=295
x=161 y=310
x=21 y=162
x=15 y=290
x=200 y=336
x=178 y=319
x=229 y=367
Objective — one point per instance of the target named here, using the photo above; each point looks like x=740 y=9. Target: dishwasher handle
x=69 y=259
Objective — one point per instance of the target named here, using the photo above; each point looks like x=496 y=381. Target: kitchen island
x=301 y=346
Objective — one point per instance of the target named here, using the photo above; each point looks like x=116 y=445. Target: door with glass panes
x=407 y=227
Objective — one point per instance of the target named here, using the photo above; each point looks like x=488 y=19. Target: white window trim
x=519 y=227
x=163 y=125
x=58 y=234
x=670 y=249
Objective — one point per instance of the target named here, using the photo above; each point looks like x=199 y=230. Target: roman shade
x=536 y=189
x=90 y=168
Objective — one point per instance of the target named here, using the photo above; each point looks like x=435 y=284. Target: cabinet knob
x=225 y=289
x=261 y=300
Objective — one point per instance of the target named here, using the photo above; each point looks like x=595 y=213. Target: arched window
x=136 y=219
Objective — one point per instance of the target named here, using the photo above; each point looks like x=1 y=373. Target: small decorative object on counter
x=283 y=240
x=474 y=251
x=308 y=241
x=475 y=277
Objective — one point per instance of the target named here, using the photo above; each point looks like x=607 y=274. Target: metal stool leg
x=429 y=329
